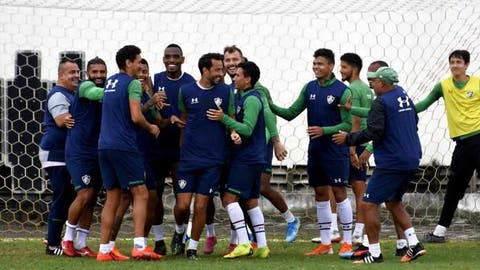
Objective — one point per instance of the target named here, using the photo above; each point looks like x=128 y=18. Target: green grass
x=29 y=254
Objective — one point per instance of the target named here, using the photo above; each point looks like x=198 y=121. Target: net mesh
x=414 y=37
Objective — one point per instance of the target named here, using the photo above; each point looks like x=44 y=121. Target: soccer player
x=392 y=126
x=461 y=93
x=203 y=148
x=81 y=154
x=165 y=151
x=362 y=96
x=233 y=57
x=51 y=154
x=247 y=161
x=328 y=163
x=121 y=163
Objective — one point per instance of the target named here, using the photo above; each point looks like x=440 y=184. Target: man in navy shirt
x=392 y=126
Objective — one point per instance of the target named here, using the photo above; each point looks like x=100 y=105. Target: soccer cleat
x=105 y=257
x=336 y=238
x=400 y=252
x=68 y=249
x=321 y=249
x=432 y=238
x=345 y=248
x=239 y=251
x=160 y=247
x=86 y=252
x=56 y=251
x=230 y=248
x=145 y=254
x=356 y=254
x=357 y=240
x=254 y=245
x=262 y=252
x=210 y=243
x=316 y=240
x=414 y=252
x=292 y=230
x=117 y=255
x=177 y=244
x=192 y=254
x=368 y=259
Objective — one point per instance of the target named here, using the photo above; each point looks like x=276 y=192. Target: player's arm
x=176 y=120
x=58 y=106
x=90 y=91
x=251 y=108
x=134 y=96
x=433 y=96
x=295 y=109
x=270 y=118
x=375 y=125
x=346 y=123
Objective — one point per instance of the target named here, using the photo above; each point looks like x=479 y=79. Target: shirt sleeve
x=433 y=96
x=345 y=115
x=375 y=125
x=251 y=108
x=231 y=104
x=135 y=90
x=295 y=109
x=181 y=105
x=90 y=91
x=361 y=112
x=58 y=104
x=270 y=118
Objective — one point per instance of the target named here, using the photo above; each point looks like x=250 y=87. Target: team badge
x=86 y=179
x=330 y=99
x=182 y=183
x=218 y=101
x=238 y=109
x=469 y=94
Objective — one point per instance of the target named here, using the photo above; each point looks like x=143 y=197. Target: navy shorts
x=328 y=172
x=199 y=181
x=121 y=169
x=244 y=180
x=387 y=186
x=356 y=174
x=85 y=172
x=267 y=168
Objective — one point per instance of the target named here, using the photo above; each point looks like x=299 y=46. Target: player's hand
x=154 y=130
x=279 y=150
x=363 y=159
x=235 y=137
x=340 y=137
x=354 y=160
x=215 y=114
x=315 y=132
x=177 y=121
x=347 y=106
x=68 y=121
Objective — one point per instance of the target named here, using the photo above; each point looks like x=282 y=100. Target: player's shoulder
x=188 y=77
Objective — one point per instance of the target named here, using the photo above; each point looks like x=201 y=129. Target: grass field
x=29 y=254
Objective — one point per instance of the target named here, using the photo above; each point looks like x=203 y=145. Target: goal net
x=413 y=36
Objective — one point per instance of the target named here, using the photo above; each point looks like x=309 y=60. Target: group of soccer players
x=127 y=134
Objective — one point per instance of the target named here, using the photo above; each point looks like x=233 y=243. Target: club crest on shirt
x=470 y=94
x=86 y=179
x=182 y=183
x=330 y=99
x=239 y=109
x=218 y=101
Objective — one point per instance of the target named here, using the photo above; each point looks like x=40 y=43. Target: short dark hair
x=96 y=61
x=64 y=60
x=232 y=49
x=327 y=53
x=379 y=63
x=353 y=60
x=250 y=69
x=128 y=52
x=206 y=60
x=173 y=45
x=462 y=54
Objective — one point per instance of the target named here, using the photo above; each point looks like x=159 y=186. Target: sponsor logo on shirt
x=161 y=89
x=194 y=101
x=111 y=84
x=404 y=103
x=312 y=96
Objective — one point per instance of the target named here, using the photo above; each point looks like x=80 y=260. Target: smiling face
x=346 y=71
x=173 y=60
x=231 y=61
x=322 y=68
x=242 y=82
x=458 y=67
x=97 y=73
x=214 y=74
x=69 y=75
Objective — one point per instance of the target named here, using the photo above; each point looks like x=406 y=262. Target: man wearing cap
x=392 y=126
